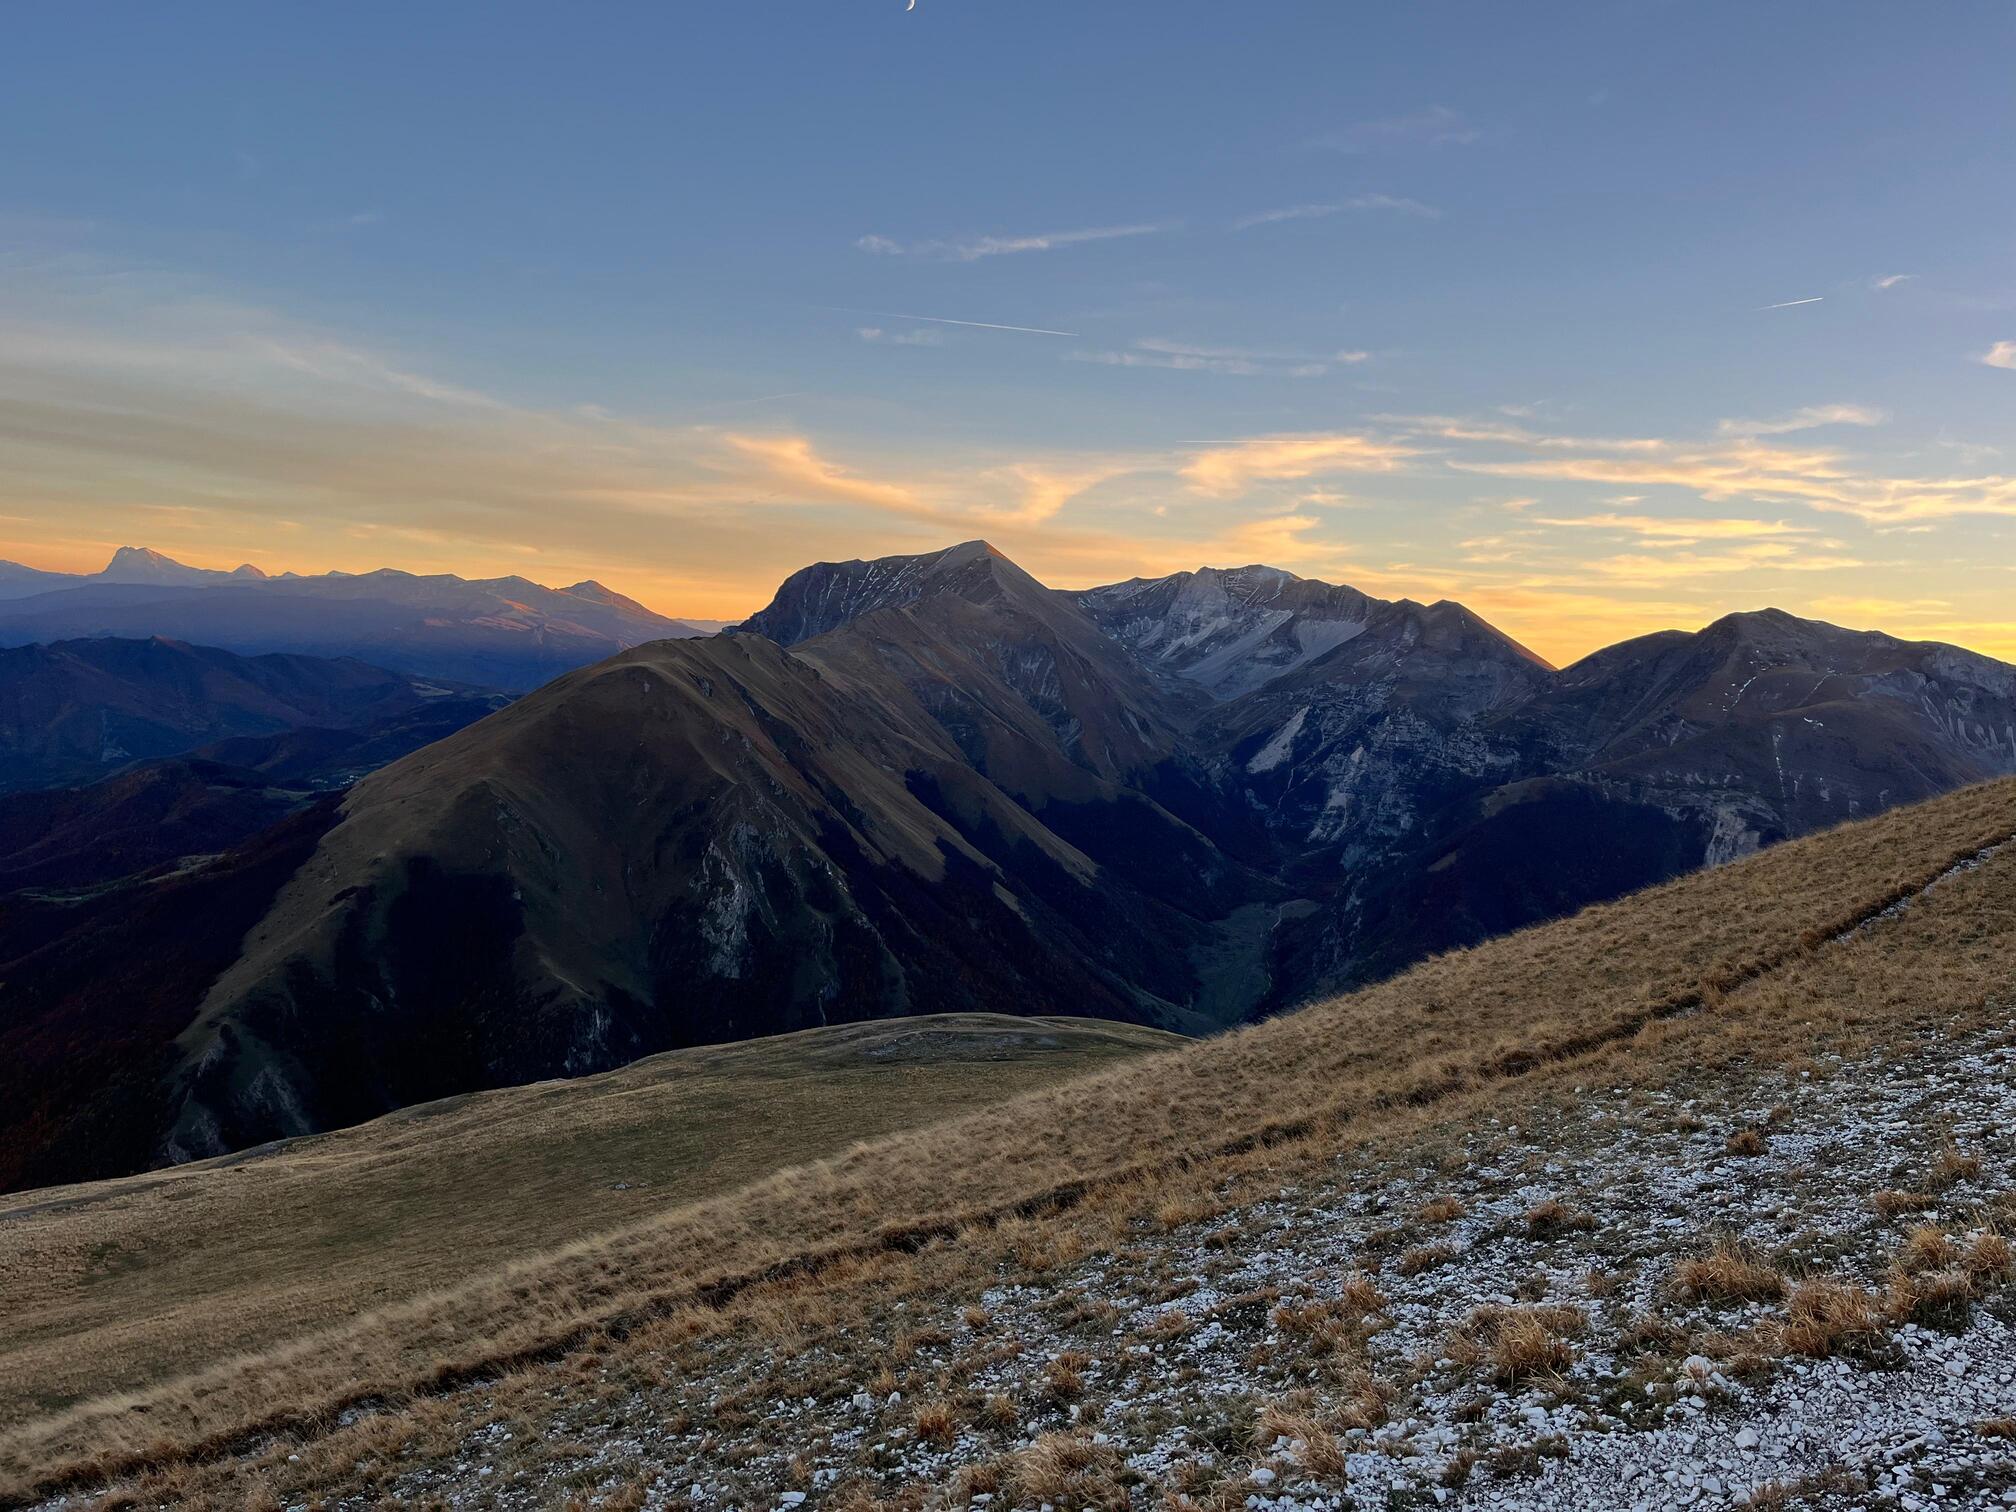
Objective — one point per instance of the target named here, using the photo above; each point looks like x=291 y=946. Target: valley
x=933 y=784
x=1379 y=1120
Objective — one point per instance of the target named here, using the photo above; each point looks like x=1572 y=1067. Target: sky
x=1599 y=318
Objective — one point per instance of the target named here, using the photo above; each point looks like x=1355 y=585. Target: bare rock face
x=930 y=783
x=1229 y=630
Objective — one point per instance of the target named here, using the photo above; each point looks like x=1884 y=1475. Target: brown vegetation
x=1730 y=1272
x=1755 y=960
x=1552 y=1216
x=1748 y=1142
x=1828 y=1317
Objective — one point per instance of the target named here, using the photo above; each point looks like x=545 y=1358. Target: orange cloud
x=1221 y=471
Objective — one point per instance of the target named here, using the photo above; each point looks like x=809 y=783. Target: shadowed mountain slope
x=1899 y=932
x=76 y=710
x=955 y=789
x=691 y=842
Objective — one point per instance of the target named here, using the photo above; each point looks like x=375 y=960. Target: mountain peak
x=827 y=595
x=143 y=564
x=1229 y=629
x=602 y=593
x=139 y=556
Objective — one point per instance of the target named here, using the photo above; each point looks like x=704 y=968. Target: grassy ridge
x=117 y=1285
x=1744 y=945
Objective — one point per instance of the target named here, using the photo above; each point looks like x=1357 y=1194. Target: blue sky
x=1446 y=300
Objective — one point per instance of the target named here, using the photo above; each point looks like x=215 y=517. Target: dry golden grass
x=1548 y=1218
x=1748 y=1142
x=118 y=1285
x=1991 y=1258
x=1951 y=1168
x=1425 y=1257
x=1519 y=1344
x=1927 y=1247
x=1753 y=961
x=1894 y=1204
x=1935 y=1298
x=1320 y=1453
x=937 y=1423
x=1066 y=1470
x=1730 y=1272
x=1827 y=1317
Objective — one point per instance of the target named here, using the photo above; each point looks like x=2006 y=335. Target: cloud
x=1223 y=470
x=1891 y=280
x=1786 y=304
x=1394 y=203
x=1740 y=463
x=1681 y=531
x=1673 y=566
x=1816 y=477
x=972 y=249
x=132 y=409
x=899 y=338
x=1456 y=428
x=790 y=464
x=1809 y=418
x=1183 y=357
x=1437 y=126
x=1868 y=609
x=2001 y=355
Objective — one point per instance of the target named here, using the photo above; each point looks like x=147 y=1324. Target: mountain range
x=121 y=757
x=927 y=784
x=507 y=633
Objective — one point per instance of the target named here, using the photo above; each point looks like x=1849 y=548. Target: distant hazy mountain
x=76 y=710
x=499 y=632
x=929 y=783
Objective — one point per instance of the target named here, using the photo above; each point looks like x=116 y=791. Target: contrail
x=1816 y=299
x=984 y=325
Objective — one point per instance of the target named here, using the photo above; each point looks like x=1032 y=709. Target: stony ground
x=1779 y=1289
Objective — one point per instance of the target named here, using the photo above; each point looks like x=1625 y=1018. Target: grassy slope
x=116 y=1285
x=1742 y=953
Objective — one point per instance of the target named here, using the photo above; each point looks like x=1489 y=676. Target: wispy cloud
x=2001 y=355
x=1810 y=418
x=1437 y=126
x=1786 y=304
x=1397 y=204
x=1225 y=469
x=1672 y=566
x=1891 y=280
x=1457 y=428
x=973 y=248
x=1184 y=357
x=919 y=338
x=1677 y=531
x=1743 y=467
